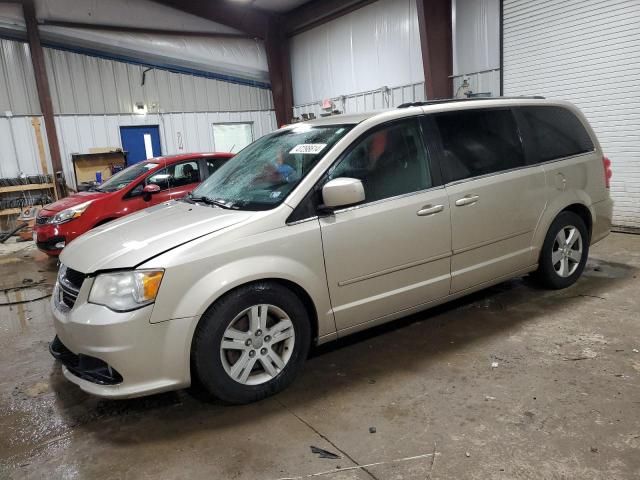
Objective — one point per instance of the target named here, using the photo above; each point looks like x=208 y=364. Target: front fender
x=194 y=280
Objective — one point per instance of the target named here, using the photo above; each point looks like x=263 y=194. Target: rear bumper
x=121 y=355
x=603 y=213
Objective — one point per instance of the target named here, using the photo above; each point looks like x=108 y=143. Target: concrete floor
x=513 y=382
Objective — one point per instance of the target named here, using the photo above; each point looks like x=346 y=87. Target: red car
x=134 y=188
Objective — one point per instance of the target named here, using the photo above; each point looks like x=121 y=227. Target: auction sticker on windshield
x=308 y=148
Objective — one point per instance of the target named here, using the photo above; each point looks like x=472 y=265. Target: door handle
x=467 y=200
x=430 y=210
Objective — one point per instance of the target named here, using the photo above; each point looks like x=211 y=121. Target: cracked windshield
x=264 y=173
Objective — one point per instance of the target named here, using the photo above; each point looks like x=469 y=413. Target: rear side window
x=478 y=142
x=553 y=132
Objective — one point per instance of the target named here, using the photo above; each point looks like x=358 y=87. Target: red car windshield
x=125 y=177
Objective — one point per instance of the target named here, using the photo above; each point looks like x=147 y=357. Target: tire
x=235 y=375
x=558 y=269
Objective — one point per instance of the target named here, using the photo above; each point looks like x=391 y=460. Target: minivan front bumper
x=148 y=358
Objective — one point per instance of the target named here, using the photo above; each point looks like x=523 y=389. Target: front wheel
x=564 y=252
x=251 y=344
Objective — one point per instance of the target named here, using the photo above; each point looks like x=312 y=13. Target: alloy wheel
x=567 y=251
x=257 y=344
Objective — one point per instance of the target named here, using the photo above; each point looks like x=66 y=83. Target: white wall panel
x=476 y=35
x=587 y=52
x=372 y=47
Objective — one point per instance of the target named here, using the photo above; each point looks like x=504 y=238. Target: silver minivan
x=322 y=229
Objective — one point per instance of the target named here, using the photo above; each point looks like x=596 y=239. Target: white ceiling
x=274 y=5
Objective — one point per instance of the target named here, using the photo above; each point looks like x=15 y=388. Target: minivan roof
x=343 y=119
x=461 y=103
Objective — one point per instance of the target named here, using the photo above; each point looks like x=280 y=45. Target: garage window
x=553 y=132
x=478 y=142
x=232 y=137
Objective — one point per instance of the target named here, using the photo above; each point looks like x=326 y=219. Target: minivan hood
x=72 y=201
x=131 y=240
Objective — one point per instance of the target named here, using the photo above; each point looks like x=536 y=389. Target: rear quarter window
x=551 y=133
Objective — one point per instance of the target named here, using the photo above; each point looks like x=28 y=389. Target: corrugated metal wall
x=587 y=52
x=476 y=46
x=81 y=84
x=88 y=85
x=17 y=83
x=179 y=132
x=93 y=97
x=18 y=147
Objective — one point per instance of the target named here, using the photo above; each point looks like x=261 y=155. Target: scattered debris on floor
x=372 y=430
x=324 y=453
x=467 y=454
x=494 y=364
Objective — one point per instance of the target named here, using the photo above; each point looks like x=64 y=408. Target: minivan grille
x=70 y=282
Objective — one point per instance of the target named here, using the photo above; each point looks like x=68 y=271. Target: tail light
x=606 y=163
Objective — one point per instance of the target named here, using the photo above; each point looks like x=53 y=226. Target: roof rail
x=456 y=100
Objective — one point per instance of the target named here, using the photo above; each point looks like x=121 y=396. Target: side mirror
x=342 y=192
x=149 y=190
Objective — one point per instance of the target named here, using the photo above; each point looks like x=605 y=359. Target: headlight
x=124 y=291
x=69 y=213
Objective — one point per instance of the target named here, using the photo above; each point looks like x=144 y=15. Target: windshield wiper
x=209 y=201
x=217 y=203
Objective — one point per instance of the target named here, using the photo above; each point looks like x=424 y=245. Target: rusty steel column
x=434 y=20
x=42 y=84
x=276 y=45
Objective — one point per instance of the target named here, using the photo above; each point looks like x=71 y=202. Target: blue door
x=140 y=143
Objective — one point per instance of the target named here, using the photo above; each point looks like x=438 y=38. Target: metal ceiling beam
x=434 y=21
x=42 y=85
x=241 y=17
x=143 y=30
x=319 y=12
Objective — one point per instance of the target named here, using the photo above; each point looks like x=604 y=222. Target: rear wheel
x=252 y=343
x=564 y=253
